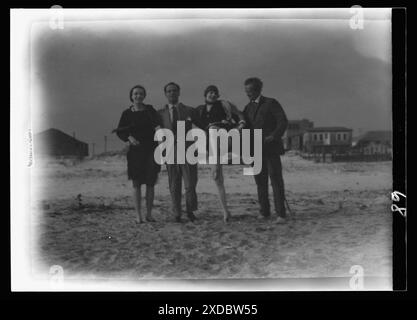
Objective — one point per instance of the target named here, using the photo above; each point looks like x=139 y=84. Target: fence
x=328 y=157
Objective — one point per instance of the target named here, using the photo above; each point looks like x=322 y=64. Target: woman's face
x=138 y=95
x=211 y=97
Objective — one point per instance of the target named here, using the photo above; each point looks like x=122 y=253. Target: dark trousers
x=177 y=172
x=271 y=166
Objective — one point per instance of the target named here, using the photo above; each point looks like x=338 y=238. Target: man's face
x=211 y=97
x=251 y=91
x=172 y=93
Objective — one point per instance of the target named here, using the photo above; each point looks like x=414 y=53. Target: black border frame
x=267 y=300
x=399 y=145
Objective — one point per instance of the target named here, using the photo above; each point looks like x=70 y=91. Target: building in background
x=333 y=140
x=375 y=143
x=293 y=136
x=55 y=143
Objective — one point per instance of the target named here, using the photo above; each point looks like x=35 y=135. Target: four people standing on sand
x=139 y=123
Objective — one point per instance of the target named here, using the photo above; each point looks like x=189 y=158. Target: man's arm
x=235 y=111
x=281 y=120
x=246 y=115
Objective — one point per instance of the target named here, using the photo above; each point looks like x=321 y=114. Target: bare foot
x=191 y=216
x=280 y=220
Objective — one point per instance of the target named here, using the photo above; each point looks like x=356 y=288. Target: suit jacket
x=185 y=113
x=270 y=117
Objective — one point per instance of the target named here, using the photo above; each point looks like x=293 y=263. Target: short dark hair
x=172 y=83
x=137 y=86
x=256 y=82
x=211 y=88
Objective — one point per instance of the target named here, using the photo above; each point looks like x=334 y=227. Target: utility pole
x=105 y=143
x=73 y=134
x=94 y=145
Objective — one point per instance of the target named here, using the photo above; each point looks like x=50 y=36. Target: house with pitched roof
x=375 y=143
x=334 y=140
x=54 y=142
x=293 y=136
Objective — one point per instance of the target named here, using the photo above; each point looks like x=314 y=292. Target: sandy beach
x=83 y=220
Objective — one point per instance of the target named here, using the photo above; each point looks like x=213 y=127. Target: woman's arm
x=155 y=117
x=124 y=129
x=124 y=125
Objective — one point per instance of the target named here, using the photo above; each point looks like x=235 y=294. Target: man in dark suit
x=171 y=113
x=267 y=114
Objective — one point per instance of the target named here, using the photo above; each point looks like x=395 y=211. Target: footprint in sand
x=244 y=242
x=261 y=229
x=232 y=237
x=189 y=246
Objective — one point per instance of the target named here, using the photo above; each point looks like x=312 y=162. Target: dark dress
x=215 y=115
x=141 y=166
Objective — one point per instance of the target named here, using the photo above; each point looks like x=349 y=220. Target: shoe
x=263 y=217
x=280 y=220
x=178 y=219
x=191 y=216
x=150 y=219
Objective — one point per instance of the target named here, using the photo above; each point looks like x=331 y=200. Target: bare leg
x=217 y=174
x=222 y=197
x=137 y=197
x=150 y=192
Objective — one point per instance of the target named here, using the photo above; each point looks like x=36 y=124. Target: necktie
x=174 y=119
x=257 y=108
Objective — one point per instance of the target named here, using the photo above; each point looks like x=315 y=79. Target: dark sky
x=321 y=70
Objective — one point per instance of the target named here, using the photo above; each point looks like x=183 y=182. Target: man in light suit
x=267 y=114
x=171 y=113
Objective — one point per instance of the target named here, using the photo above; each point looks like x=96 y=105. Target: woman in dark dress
x=137 y=127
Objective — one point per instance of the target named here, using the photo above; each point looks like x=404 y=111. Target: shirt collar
x=206 y=105
x=257 y=99
x=170 y=106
